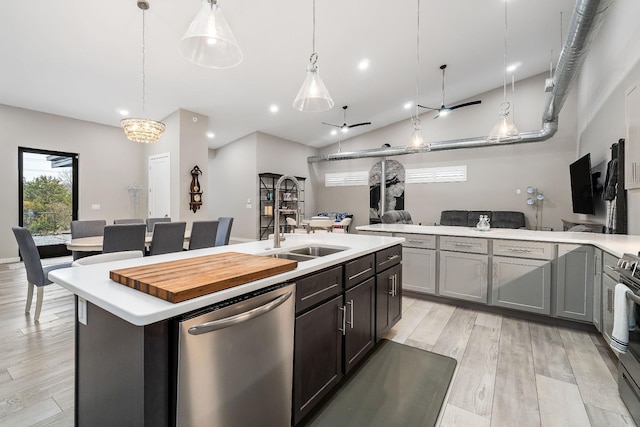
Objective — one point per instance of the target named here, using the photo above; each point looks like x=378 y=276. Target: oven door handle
x=633 y=297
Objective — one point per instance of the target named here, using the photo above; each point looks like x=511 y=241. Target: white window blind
x=443 y=174
x=346 y=179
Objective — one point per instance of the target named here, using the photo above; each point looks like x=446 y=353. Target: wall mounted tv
x=582 y=186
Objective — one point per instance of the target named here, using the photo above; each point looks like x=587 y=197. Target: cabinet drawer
x=524 y=249
x=464 y=244
x=358 y=270
x=318 y=287
x=388 y=257
x=418 y=241
x=608 y=262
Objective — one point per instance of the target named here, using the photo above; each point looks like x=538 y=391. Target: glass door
x=48 y=192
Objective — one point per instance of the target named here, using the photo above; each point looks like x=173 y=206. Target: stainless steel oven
x=628 y=268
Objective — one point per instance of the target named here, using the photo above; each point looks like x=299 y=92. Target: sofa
x=396 y=217
x=498 y=219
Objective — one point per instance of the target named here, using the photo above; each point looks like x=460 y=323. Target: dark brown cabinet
x=359 y=335
x=336 y=322
x=317 y=366
x=388 y=299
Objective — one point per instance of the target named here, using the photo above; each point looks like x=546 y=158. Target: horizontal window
x=443 y=174
x=346 y=179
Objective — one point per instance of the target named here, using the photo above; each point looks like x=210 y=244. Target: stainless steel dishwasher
x=235 y=362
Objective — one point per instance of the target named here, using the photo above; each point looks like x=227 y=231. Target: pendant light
x=416 y=137
x=209 y=41
x=505 y=128
x=313 y=95
x=143 y=130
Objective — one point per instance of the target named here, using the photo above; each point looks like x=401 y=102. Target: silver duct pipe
x=587 y=18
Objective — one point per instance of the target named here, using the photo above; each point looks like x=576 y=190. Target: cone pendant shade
x=209 y=41
x=313 y=95
x=505 y=128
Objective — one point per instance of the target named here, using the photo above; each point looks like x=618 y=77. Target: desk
x=94 y=243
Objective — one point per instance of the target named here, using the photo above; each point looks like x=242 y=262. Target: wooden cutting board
x=177 y=281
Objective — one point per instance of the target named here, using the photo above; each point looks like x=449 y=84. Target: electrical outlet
x=518 y=191
x=95 y=207
x=82 y=311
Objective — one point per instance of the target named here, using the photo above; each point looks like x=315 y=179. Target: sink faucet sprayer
x=277 y=238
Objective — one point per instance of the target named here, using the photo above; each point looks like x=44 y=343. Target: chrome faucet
x=277 y=238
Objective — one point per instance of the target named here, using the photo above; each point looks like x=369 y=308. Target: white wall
x=108 y=164
x=494 y=173
x=193 y=151
x=612 y=65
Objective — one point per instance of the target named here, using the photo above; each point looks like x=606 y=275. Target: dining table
x=94 y=243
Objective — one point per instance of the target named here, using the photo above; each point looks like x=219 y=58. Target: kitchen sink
x=292 y=256
x=316 y=251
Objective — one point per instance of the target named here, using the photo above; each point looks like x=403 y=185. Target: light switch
x=95 y=206
x=518 y=191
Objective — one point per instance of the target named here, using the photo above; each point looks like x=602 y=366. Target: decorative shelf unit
x=267 y=197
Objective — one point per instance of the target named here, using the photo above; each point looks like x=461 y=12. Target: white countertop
x=92 y=282
x=615 y=244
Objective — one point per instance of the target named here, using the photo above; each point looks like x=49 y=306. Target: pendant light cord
x=417 y=64
x=504 y=84
x=143 y=60
x=314 y=56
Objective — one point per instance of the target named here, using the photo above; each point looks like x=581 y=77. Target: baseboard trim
x=9 y=260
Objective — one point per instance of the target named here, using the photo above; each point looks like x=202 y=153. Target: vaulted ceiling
x=84 y=59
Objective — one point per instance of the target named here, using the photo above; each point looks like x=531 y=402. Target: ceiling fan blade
x=437 y=115
x=331 y=124
x=466 y=104
x=428 y=108
x=359 y=124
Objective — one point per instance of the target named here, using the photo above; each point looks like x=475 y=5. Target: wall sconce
x=535 y=199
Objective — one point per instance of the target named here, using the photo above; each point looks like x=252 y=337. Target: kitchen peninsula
x=127 y=341
x=556 y=275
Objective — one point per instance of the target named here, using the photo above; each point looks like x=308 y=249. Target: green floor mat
x=397 y=385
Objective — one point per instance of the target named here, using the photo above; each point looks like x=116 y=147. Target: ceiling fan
x=443 y=110
x=344 y=127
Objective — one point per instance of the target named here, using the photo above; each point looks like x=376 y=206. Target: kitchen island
x=126 y=340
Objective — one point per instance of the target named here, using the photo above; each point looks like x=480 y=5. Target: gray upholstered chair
x=203 y=234
x=167 y=237
x=86 y=228
x=108 y=257
x=129 y=221
x=224 y=230
x=396 y=217
x=36 y=274
x=124 y=237
x=152 y=221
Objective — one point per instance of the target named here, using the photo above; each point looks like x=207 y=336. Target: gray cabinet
x=597 y=290
x=419 y=270
x=522 y=284
x=574 y=282
x=464 y=275
x=419 y=263
x=609 y=281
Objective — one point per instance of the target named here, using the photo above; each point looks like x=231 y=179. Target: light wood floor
x=510 y=372
x=516 y=373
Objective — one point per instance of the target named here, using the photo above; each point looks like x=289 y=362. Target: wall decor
x=195 y=191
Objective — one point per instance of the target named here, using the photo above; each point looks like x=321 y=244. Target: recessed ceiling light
x=511 y=68
x=273 y=108
x=363 y=64
x=334 y=132
x=211 y=135
x=408 y=105
x=123 y=112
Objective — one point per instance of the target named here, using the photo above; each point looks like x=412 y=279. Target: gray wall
x=494 y=173
x=108 y=164
x=611 y=67
x=234 y=170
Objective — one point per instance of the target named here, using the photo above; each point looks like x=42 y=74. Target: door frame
x=51 y=250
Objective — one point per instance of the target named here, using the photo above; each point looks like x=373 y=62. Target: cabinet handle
x=463 y=245
x=391 y=279
x=609 y=300
x=361 y=273
x=390 y=257
x=494 y=273
x=519 y=250
x=350 y=302
x=344 y=320
x=335 y=285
